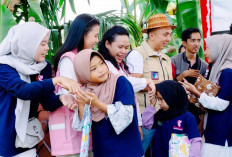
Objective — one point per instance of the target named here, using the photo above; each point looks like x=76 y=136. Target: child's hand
x=153 y=101
x=92 y=97
x=81 y=100
x=86 y=98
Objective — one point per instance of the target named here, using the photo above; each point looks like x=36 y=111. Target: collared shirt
x=196 y=66
x=181 y=64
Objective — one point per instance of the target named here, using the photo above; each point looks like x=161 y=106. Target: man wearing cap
x=148 y=61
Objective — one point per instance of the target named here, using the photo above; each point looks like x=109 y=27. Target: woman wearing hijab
x=115 y=127
x=24 y=83
x=172 y=118
x=218 y=121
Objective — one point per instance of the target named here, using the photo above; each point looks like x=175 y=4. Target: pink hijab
x=104 y=91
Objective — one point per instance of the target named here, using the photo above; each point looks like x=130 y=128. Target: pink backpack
x=64 y=140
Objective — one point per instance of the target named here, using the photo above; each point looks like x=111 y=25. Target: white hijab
x=220 y=47
x=18 y=50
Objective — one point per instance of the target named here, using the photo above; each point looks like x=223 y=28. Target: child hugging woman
x=114 y=128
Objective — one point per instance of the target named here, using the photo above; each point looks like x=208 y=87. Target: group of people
x=138 y=99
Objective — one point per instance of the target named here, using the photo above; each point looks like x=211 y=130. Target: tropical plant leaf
x=159 y=4
x=106 y=13
x=133 y=28
x=6 y=21
x=63 y=11
x=188 y=16
x=71 y=2
x=107 y=19
x=61 y=2
x=35 y=11
x=125 y=4
x=88 y=2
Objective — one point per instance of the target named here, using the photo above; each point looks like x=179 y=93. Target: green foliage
x=135 y=25
x=134 y=17
x=188 y=16
x=134 y=30
x=6 y=21
x=107 y=19
x=35 y=11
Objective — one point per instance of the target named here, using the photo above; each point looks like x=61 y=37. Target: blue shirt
x=219 y=123
x=11 y=88
x=106 y=143
x=182 y=124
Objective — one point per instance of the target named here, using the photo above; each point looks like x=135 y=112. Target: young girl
x=115 y=128
x=83 y=34
x=24 y=83
x=114 y=47
x=172 y=117
x=218 y=121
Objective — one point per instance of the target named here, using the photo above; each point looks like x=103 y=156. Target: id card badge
x=154 y=75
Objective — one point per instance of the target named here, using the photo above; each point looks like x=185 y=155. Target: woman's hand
x=70 y=85
x=69 y=101
x=190 y=87
x=151 y=87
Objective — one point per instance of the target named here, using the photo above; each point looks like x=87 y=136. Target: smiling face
x=163 y=105
x=193 y=43
x=42 y=49
x=119 y=47
x=91 y=38
x=98 y=70
x=160 y=37
x=207 y=52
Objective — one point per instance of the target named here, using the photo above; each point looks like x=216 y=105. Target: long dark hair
x=110 y=36
x=81 y=26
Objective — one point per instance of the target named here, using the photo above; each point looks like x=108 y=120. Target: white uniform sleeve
x=111 y=67
x=134 y=61
x=138 y=84
x=67 y=70
x=213 y=103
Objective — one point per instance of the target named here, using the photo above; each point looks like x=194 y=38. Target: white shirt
x=137 y=84
x=213 y=103
x=134 y=61
x=66 y=69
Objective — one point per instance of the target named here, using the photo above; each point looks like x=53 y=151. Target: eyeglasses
x=159 y=98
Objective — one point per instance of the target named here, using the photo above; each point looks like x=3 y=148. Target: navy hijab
x=176 y=98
